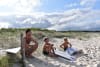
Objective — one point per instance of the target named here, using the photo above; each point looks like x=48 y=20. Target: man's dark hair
x=28 y=30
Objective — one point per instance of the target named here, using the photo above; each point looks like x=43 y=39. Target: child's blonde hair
x=45 y=38
x=65 y=38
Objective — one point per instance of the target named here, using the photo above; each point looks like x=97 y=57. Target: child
x=48 y=48
x=66 y=44
x=68 y=47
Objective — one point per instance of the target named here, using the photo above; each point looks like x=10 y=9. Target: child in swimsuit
x=68 y=47
x=66 y=44
x=48 y=48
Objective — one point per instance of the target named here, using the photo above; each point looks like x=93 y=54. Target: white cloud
x=7 y=2
x=27 y=6
x=81 y=4
x=69 y=20
x=4 y=25
x=71 y=5
x=19 y=6
x=87 y=3
x=66 y=19
x=83 y=20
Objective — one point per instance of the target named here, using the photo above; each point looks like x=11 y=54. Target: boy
x=66 y=44
x=48 y=48
x=29 y=48
x=68 y=47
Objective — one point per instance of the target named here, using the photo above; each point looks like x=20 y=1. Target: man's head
x=28 y=33
x=46 y=39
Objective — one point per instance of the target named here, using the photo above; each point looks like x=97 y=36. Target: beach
x=87 y=41
x=90 y=47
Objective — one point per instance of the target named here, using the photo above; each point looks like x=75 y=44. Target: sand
x=90 y=58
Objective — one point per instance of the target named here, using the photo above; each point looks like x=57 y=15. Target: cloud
x=19 y=6
x=7 y=2
x=63 y=21
x=80 y=20
x=69 y=20
x=87 y=3
x=27 y=6
x=71 y=5
x=81 y=4
x=4 y=25
x=25 y=21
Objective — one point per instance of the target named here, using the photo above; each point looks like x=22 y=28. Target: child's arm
x=52 y=48
x=70 y=44
x=49 y=50
x=62 y=46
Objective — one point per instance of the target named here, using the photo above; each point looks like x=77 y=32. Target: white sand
x=90 y=46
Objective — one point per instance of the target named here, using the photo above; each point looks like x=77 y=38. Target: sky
x=31 y=6
x=71 y=8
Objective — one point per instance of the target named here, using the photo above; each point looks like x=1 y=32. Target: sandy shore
x=90 y=46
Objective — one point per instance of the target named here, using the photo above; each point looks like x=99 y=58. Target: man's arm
x=25 y=45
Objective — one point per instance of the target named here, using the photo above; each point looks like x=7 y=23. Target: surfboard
x=13 y=50
x=64 y=55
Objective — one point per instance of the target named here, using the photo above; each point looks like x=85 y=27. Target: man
x=30 y=44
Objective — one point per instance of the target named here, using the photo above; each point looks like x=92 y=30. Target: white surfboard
x=64 y=55
x=13 y=50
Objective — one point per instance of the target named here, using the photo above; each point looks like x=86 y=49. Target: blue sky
x=97 y=5
x=58 y=5
x=71 y=14
x=27 y=6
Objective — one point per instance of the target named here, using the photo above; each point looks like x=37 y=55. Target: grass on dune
x=6 y=61
x=10 y=38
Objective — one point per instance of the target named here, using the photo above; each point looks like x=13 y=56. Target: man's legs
x=30 y=50
x=33 y=48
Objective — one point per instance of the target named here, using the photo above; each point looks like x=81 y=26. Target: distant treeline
x=78 y=31
x=40 y=29
x=23 y=29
